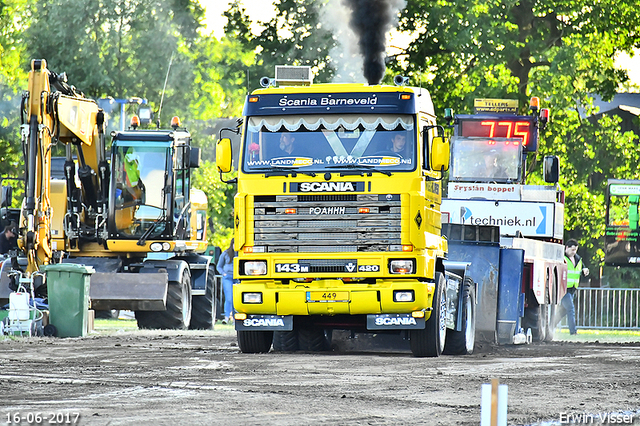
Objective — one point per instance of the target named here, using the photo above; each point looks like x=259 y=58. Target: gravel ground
x=130 y=377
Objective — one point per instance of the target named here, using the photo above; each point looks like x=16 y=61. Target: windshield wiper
x=360 y=167
x=147 y=233
x=282 y=171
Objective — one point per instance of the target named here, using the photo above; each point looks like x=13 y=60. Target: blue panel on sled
x=510 y=300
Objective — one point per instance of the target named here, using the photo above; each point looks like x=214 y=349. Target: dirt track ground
x=131 y=377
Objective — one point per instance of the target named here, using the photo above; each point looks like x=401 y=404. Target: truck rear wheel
x=314 y=339
x=462 y=342
x=177 y=316
x=535 y=318
x=551 y=325
x=285 y=341
x=252 y=342
x=431 y=340
x=203 y=313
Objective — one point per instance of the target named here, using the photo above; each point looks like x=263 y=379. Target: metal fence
x=607 y=308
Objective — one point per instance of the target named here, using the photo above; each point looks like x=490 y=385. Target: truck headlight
x=258 y=267
x=401 y=266
x=255 y=298
x=403 y=296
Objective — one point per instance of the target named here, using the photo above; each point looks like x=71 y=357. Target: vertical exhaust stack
x=370 y=21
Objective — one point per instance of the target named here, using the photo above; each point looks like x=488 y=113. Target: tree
x=12 y=80
x=119 y=48
x=561 y=51
x=293 y=37
x=220 y=198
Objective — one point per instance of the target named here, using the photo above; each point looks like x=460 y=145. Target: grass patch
x=591 y=335
x=112 y=326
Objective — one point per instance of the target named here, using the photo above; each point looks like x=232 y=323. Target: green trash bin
x=68 y=294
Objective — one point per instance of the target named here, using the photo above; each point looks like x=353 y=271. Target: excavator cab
x=150 y=180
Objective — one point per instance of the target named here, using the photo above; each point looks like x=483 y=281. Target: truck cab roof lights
x=175 y=122
x=292 y=75
x=135 y=122
x=534 y=104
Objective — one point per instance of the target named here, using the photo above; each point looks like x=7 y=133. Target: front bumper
x=333 y=297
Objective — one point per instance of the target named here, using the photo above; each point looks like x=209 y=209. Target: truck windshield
x=139 y=181
x=481 y=159
x=318 y=143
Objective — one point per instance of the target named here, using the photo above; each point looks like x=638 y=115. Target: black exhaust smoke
x=370 y=21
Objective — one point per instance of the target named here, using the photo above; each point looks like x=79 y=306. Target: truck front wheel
x=253 y=342
x=431 y=340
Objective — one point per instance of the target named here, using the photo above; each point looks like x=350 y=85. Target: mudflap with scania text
x=265 y=323
x=394 y=322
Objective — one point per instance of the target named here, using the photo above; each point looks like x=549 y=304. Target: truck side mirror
x=439 y=154
x=6 y=197
x=551 y=167
x=223 y=155
x=194 y=157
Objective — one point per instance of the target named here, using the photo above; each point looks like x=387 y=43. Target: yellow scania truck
x=337 y=218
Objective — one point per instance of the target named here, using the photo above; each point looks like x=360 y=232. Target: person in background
x=8 y=239
x=575 y=268
x=225 y=267
x=493 y=169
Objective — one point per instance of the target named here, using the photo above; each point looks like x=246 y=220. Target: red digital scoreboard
x=521 y=127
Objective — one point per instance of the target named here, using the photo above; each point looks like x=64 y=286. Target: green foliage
x=560 y=51
x=129 y=48
x=220 y=198
x=119 y=48
x=12 y=81
x=293 y=37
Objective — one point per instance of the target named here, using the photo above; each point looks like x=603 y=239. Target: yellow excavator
x=131 y=214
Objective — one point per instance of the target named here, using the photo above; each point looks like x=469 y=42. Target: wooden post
x=494 y=402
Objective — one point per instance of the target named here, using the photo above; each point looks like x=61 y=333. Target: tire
x=50 y=330
x=535 y=318
x=462 y=342
x=252 y=342
x=285 y=341
x=204 y=308
x=431 y=340
x=177 y=316
x=314 y=339
x=550 y=323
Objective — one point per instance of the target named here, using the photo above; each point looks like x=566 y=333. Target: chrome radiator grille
x=327 y=223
